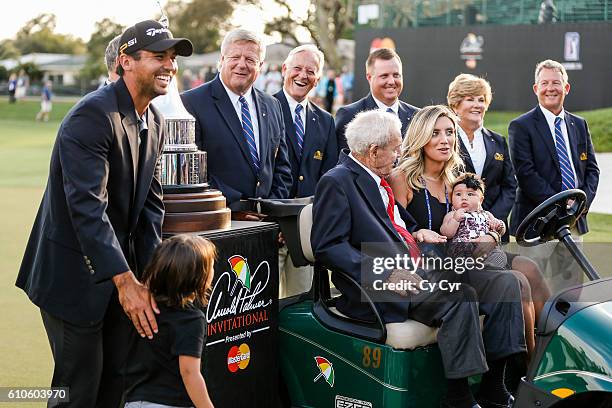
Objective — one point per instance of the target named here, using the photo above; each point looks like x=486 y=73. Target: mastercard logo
x=238 y=357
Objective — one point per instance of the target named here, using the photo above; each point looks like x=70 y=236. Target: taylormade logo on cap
x=152 y=32
x=150 y=35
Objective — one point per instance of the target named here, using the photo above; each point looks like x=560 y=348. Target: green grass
x=25 y=147
x=599 y=121
x=600 y=228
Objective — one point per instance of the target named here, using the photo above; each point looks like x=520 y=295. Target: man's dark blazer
x=320 y=152
x=498 y=175
x=102 y=210
x=348 y=211
x=534 y=155
x=346 y=113
x=219 y=133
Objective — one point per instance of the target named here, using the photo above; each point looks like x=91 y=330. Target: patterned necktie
x=415 y=252
x=299 y=128
x=567 y=175
x=249 y=134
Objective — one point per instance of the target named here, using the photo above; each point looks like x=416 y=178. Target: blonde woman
x=429 y=163
x=484 y=152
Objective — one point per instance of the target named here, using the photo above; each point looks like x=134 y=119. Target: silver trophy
x=190 y=204
x=183 y=166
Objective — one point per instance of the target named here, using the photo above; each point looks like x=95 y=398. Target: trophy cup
x=191 y=205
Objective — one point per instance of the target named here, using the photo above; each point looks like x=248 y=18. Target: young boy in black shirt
x=179 y=275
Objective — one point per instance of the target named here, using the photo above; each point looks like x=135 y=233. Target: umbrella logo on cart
x=240 y=267
x=326 y=370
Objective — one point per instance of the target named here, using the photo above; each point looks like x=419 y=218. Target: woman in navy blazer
x=483 y=152
x=486 y=153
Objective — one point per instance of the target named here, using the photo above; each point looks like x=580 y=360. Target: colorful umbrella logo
x=243 y=274
x=327 y=370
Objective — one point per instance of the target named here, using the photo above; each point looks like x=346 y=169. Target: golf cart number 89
x=371 y=357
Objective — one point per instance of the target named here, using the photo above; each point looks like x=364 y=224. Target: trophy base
x=186 y=188
x=195 y=211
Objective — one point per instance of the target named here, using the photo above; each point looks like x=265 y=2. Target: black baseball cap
x=150 y=35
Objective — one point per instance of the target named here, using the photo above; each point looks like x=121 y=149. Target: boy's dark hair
x=471 y=180
x=179 y=268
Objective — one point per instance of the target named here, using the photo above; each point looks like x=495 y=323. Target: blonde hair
x=468 y=85
x=551 y=64
x=418 y=135
x=241 y=34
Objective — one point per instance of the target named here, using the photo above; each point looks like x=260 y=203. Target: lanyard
x=427 y=200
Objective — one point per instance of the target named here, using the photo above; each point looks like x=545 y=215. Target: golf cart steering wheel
x=543 y=223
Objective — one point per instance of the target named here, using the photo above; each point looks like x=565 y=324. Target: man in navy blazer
x=311 y=138
x=240 y=127
x=313 y=150
x=552 y=151
x=352 y=226
x=100 y=220
x=384 y=74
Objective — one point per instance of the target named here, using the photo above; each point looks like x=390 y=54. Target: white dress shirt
x=384 y=107
x=383 y=193
x=248 y=95
x=550 y=119
x=293 y=104
x=477 y=149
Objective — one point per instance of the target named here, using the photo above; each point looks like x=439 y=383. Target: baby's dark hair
x=179 y=269
x=471 y=180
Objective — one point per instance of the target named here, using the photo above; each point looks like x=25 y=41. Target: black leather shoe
x=484 y=403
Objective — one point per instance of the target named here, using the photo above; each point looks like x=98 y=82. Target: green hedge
x=599 y=120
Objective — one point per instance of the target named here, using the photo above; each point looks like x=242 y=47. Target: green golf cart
x=330 y=360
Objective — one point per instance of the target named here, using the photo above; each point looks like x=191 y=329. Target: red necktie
x=415 y=253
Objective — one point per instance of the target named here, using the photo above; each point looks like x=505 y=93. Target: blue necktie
x=389 y=110
x=249 y=134
x=299 y=128
x=567 y=175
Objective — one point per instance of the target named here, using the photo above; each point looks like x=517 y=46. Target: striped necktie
x=299 y=128
x=567 y=175
x=249 y=134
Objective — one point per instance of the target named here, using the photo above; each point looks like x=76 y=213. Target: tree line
x=202 y=21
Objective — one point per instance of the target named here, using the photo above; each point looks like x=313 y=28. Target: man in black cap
x=99 y=221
